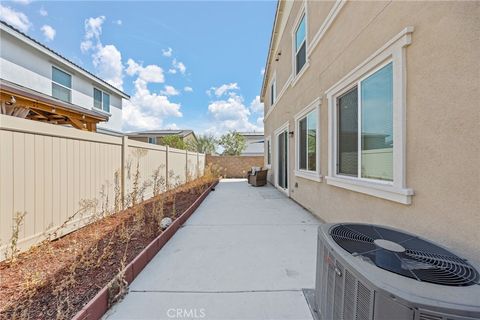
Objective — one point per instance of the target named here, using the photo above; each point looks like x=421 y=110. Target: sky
x=186 y=65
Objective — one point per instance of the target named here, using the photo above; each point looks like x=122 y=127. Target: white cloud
x=231 y=114
x=150 y=73
x=108 y=62
x=15 y=18
x=107 y=59
x=147 y=110
x=260 y=122
x=256 y=106
x=49 y=32
x=188 y=89
x=171 y=126
x=43 y=12
x=167 y=52
x=179 y=66
x=172 y=71
x=93 y=30
x=170 y=91
x=24 y=2
x=134 y=119
x=224 y=88
x=118 y=22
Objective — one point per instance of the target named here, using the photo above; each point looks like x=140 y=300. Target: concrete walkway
x=246 y=253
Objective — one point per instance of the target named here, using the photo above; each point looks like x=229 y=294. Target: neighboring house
x=51 y=88
x=372 y=114
x=155 y=136
x=255 y=144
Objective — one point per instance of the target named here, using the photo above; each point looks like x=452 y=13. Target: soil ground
x=57 y=278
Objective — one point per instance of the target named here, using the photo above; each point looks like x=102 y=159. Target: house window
x=269 y=152
x=101 y=100
x=307 y=142
x=365 y=128
x=61 y=85
x=367 y=125
x=273 y=92
x=300 y=45
x=152 y=140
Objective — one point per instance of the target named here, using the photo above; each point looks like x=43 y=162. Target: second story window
x=300 y=45
x=273 y=91
x=101 y=100
x=61 y=85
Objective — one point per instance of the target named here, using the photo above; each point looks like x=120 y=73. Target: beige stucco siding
x=442 y=114
x=141 y=139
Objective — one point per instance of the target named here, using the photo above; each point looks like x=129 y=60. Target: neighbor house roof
x=55 y=55
x=252 y=133
x=159 y=133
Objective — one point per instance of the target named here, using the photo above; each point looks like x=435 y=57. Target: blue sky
x=193 y=65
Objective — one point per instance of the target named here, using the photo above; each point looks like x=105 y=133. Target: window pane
x=106 y=102
x=97 y=98
x=272 y=94
x=377 y=125
x=348 y=133
x=269 y=154
x=301 y=58
x=61 y=77
x=281 y=160
x=60 y=92
x=312 y=140
x=302 y=147
x=300 y=34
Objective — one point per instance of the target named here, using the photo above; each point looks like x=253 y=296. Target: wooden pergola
x=25 y=103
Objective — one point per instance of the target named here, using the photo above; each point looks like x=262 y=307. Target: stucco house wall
x=442 y=112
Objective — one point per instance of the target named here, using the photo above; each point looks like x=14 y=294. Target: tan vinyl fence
x=52 y=173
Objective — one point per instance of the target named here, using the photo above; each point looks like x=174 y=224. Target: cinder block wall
x=234 y=166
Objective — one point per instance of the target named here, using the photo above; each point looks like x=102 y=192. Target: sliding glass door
x=282 y=160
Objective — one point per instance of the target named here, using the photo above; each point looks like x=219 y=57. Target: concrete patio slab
x=245 y=254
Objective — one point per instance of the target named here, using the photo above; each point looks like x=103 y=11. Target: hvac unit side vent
x=367 y=272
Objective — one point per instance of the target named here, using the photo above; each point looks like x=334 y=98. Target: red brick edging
x=97 y=307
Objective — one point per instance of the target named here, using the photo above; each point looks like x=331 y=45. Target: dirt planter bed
x=82 y=274
x=97 y=307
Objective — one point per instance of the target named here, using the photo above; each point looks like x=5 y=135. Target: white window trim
x=282 y=128
x=273 y=87
x=308 y=174
x=394 y=51
x=61 y=85
x=268 y=140
x=98 y=109
x=154 y=139
x=303 y=12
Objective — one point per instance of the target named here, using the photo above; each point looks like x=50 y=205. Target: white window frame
x=101 y=109
x=277 y=132
x=303 y=12
x=152 y=140
x=61 y=85
x=273 y=90
x=396 y=190
x=268 y=147
x=308 y=174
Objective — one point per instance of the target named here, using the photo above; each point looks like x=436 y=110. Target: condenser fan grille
x=404 y=254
